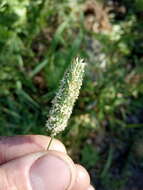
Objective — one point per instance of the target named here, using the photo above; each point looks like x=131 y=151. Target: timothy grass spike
x=62 y=104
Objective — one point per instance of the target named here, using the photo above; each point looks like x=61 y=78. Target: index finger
x=17 y=146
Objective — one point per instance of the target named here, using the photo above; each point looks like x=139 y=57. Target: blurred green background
x=38 y=39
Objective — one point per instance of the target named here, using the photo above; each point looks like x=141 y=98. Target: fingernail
x=50 y=173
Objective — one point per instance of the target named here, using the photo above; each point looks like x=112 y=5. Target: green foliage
x=89 y=156
x=38 y=40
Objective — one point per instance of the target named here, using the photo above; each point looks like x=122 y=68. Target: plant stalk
x=52 y=137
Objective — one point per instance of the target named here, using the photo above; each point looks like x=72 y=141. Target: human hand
x=25 y=164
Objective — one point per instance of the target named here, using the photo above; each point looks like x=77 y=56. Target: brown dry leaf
x=134 y=79
x=39 y=81
x=96 y=16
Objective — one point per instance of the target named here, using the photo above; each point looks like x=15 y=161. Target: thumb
x=41 y=171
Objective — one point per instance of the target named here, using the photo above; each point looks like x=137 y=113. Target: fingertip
x=91 y=188
x=58 y=146
x=44 y=141
x=82 y=181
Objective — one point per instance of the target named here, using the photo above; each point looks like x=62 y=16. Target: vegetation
x=38 y=40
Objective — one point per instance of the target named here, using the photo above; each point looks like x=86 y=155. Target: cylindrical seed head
x=66 y=96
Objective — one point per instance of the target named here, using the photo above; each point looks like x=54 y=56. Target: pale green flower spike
x=65 y=98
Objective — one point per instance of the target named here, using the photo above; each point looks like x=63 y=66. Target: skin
x=25 y=164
